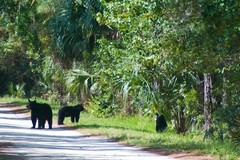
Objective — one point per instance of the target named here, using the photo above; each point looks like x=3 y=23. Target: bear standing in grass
x=161 y=123
x=70 y=111
x=40 y=112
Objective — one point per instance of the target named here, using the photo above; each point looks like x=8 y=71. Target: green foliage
x=224 y=128
x=101 y=107
x=160 y=53
x=20 y=93
x=74 y=29
x=236 y=133
x=132 y=55
x=19 y=44
x=16 y=91
x=79 y=80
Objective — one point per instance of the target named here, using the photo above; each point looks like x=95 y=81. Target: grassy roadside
x=140 y=131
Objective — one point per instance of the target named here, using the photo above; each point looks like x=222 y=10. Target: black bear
x=70 y=111
x=40 y=112
x=161 y=123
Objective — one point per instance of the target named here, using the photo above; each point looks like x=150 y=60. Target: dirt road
x=18 y=141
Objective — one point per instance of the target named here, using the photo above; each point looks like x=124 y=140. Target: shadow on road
x=18 y=141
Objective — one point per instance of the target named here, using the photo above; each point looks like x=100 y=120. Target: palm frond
x=79 y=79
x=75 y=28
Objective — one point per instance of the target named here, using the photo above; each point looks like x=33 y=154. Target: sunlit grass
x=19 y=101
x=140 y=131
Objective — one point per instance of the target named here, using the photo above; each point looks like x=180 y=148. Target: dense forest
x=177 y=58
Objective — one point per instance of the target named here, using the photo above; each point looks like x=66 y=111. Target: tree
x=74 y=29
x=201 y=42
x=166 y=47
x=19 y=44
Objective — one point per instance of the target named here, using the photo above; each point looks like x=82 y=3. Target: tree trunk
x=224 y=91
x=80 y=96
x=208 y=104
x=62 y=96
x=181 y=122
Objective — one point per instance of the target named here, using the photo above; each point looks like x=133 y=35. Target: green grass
x=140 y=131
x=21 y=102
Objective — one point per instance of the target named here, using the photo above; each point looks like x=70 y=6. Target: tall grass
x=140 y=131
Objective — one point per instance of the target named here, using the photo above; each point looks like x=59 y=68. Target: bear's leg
x=60 y=120
x=77 y=117
x=39 y=123
x=34 y=120
x=49 y=123
x=72 y=118
x=60 y=117
x=43 y=123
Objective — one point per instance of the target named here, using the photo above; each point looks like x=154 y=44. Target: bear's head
x=79 y=107
x=31 y=104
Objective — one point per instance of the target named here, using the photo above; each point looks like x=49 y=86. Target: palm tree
x=74 y=29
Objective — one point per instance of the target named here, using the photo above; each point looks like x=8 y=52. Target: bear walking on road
x=70 y=111
x=41 y=113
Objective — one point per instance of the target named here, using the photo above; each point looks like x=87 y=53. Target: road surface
x=19 y=142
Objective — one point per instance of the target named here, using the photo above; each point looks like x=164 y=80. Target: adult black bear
x=161 y=123
x=40 y=112
x=70 y=111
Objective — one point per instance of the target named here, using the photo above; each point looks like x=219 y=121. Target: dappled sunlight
x=59 y=142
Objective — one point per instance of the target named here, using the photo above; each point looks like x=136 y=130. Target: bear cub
x=161 y=123
x=70 y=111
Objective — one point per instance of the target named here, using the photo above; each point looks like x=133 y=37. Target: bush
x=16 y=91
x=101 y=106
x=235 y=134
